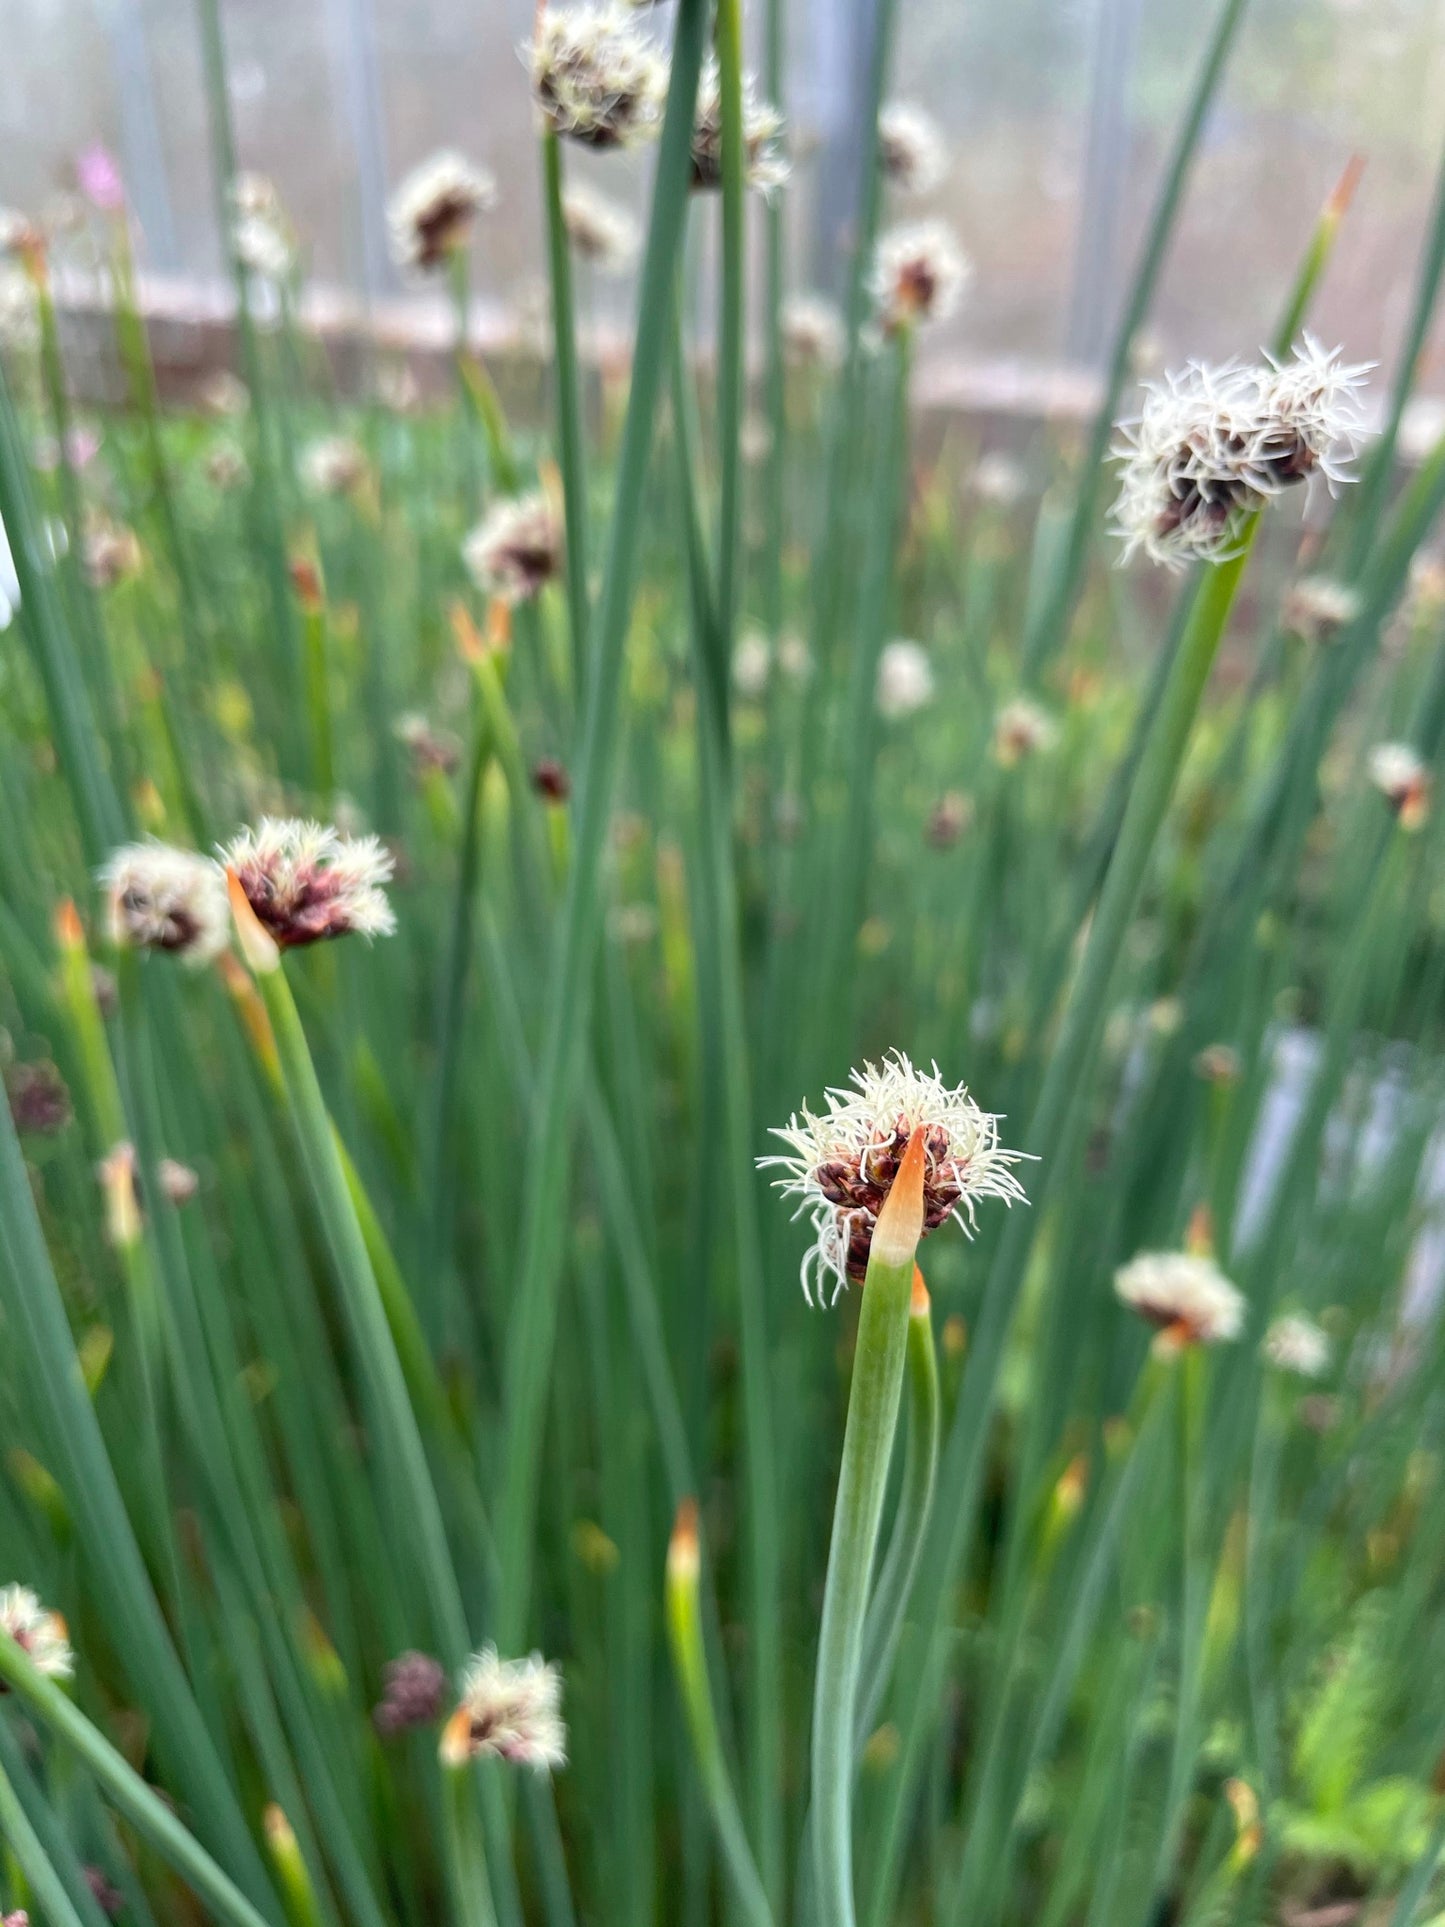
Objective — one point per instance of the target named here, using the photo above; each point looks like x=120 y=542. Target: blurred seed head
x=949 y=818
x=752 y=664
x=430 y=215
x=307 y=882
x=1213 y=445
x=1297 y=1344
x=510 y=1709
x=919 y=274
x=517 y=548
x=1397 y=772
x=1218 y=1064
x=999 y=480
x=550 y=780
x=600 y=231
x=596 y=78
x=813 y=332
x=107 y=1896
x=178 y=1182
x=226 y=467
x=40 y=1634
x=334 y=465
x=429 y=749
x=910 y=148
x=110 y=552
x=840 y=1165
x=162 y=898
x=261 y=231
x=905 y=679
x=1317 y=608
x=1022 y=728
x=1184 y=1295
x=414 y=1688
x=764 y=165
x=38 y=1098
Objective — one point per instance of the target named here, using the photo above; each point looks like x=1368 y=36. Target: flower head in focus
x=595 y=77
x=1399 y=774
x=813 y=334
x=910 y=148
x=1297 y=1344
x=919 y=272
x=905 y=679
x=1213 y=445
x=600 y=231
x=510 y=1709
x=430 y=215
x=162 y=898
x=1022 y=728
x=306 y=881
x=516 y=550
x=1184 y=1295
x=841 y=1164
x=764 y=165
x=40 y=1634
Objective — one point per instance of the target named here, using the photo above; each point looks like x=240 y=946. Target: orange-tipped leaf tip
x=920 y=1304
x=258 y=946
x=1343 y=192
x=682 y=1548
x=900 y=1222
x=69 y=931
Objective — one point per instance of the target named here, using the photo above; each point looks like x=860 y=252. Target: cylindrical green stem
x=571 y=454
x=689 y=1658
x=873 y=1402
x=127 y=1791
x=466 y=1851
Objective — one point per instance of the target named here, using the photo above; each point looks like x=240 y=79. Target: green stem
x=728 y=43
x=570 y=446
x=128 y=1792
x=689 y=1659
x=47 y=1889
x=873 y=1401
x=466 y=1850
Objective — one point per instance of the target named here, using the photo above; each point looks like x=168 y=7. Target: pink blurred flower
x=99 y=178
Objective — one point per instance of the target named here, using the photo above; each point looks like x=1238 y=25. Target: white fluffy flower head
x=812 y=329
x=910 y=148
x=601 y=231
x=1022 y=728
x=1212 y=445
x=595 y=77
x=1398 y=773
x=764 y=165
x=162 y=898
x=1184 y=1294
x=840 y=1165
x=905 y=679
x=306 y=881
x=510 y=1709
x=334 y=465
x=40 y=1634
x=1318 y=607
x=1297 y=1344
x=431 y=213
x=516 y=550
x=919 y=273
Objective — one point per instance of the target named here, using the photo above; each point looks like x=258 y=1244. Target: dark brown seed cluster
x=858 y=1185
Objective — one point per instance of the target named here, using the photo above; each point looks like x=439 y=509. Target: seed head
x=261 y=231
x=1184 y=1295
x=38 y=1097
x=428 y=748
x=600 y=231
x=1213 y=445
x=306 y=881
x=510 y=1709
x=550 y=780
x=999 y=480
x=178 y=1182
x=162 y=898
x=334 y=465
x=764 y=165
x=40 y=1634
x=1400 y=776
x=108 y=1897
x=431 y=213
x=1318 y=607
x=414 y=1692
x=905 y=679
x=595 y=78
x=1297 y=1344
x=812 y=331
x=517 y=549
x=1022 y=728
x=910 y=148
x=919 y=272
x=841 y=1165
x=752 y=664
x=110 y=552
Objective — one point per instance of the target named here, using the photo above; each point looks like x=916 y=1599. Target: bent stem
x=873 y=1403
x=689 y=1659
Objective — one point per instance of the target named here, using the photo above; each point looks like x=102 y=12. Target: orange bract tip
x=920 y=1304
x=69 y=931
x=900 y=1222
x=258 y=946
x=1343 y=192
x=682 y=1549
